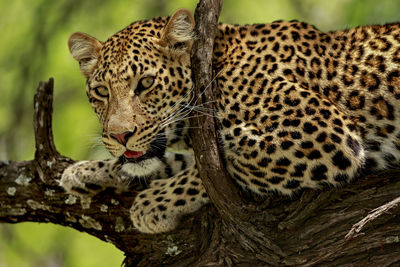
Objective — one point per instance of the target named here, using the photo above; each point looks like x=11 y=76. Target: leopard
x=296 y=107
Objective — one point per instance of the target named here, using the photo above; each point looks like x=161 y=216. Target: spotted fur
x=298 y=108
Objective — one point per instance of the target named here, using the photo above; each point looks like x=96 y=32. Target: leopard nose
x=122 y=138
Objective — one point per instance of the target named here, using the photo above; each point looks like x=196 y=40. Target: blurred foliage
x=34 y=47
x=49 y=245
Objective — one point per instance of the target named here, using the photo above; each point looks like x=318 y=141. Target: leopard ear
x=86 y=50
x=178 y=33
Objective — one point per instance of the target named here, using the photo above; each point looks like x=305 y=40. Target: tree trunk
x=331 y=227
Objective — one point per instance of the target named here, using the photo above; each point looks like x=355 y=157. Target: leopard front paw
x=160 y=208
x=88 y=178
x=153 y=219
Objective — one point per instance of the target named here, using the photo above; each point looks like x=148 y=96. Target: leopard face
x=139 y=85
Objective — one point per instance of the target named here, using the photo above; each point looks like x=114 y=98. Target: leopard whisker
x=189 y=102
x=180 y=119
x=186 y=110
x=172 y=132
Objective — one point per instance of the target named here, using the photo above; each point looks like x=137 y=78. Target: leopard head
x=138 y=83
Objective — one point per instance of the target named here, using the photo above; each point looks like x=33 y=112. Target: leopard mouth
x=156 y=150
x=129 y=154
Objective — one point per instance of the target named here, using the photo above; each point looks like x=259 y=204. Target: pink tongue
x=133 y=154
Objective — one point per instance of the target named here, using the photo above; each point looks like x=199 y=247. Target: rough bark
x=315 y=228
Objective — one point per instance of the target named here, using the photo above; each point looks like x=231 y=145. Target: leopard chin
x=143 y=168
x=148 y=163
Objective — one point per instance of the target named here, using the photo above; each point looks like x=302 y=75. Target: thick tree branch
x=205 y=136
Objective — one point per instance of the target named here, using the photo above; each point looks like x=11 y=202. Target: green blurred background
x=33 y=43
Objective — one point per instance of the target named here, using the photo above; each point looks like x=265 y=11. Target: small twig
x=356 y=228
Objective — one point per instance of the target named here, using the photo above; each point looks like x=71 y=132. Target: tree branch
x=46 y=153
x=205 y=138
x=373 y=215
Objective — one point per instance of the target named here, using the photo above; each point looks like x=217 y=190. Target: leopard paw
x=160 y=208
x=88 y=178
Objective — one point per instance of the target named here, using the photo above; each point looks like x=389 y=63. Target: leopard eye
x=147 y=81
x=101 y=91
x=144 y=83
